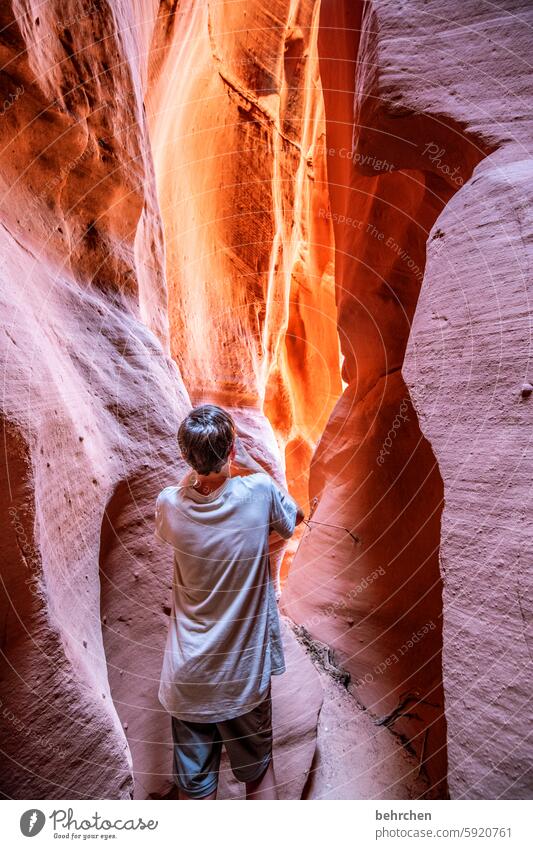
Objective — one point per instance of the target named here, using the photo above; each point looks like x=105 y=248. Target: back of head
x=206 y=437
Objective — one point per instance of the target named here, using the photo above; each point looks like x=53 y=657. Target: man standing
x=224 y=640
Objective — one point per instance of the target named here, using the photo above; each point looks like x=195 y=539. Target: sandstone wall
x=367 y=599
x=468 y=367
x=236 y=116
x=92 y=397
x=199 y=201
x=434 y=119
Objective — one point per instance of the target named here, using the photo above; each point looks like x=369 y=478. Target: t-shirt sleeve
x=283 y=512
x=161 y=530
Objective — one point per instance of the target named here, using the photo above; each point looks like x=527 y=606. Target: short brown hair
x=206 y=437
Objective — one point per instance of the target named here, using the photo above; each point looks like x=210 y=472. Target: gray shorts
x=198 y=747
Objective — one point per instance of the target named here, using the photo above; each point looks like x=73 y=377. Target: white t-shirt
x=224 y=640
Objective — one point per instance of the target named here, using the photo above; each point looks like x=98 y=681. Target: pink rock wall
x=90 y=409
x=199 y=201
x=439 y=151
x=90 y=400
x=468 y=366
x=377 y=601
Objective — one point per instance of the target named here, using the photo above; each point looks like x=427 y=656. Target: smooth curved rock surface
x=376 y=602
x=441 y=151
x=228 y=201
x=90 y=407
x=91 y=399
x=468 y=365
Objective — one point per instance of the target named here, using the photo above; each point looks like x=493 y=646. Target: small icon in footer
x=31 y=822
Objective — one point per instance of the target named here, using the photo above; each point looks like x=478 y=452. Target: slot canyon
x=316 y=214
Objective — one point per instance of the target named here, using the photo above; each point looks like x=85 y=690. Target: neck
x=207 y=483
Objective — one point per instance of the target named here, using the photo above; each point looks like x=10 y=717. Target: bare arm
x=246 y=464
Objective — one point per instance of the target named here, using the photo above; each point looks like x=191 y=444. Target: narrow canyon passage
x=286 y=257
x=318 y=214
x=237 y=123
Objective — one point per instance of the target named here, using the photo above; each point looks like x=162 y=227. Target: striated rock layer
x=428 y=141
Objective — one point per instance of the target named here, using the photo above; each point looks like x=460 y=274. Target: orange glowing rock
x=316 y=215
